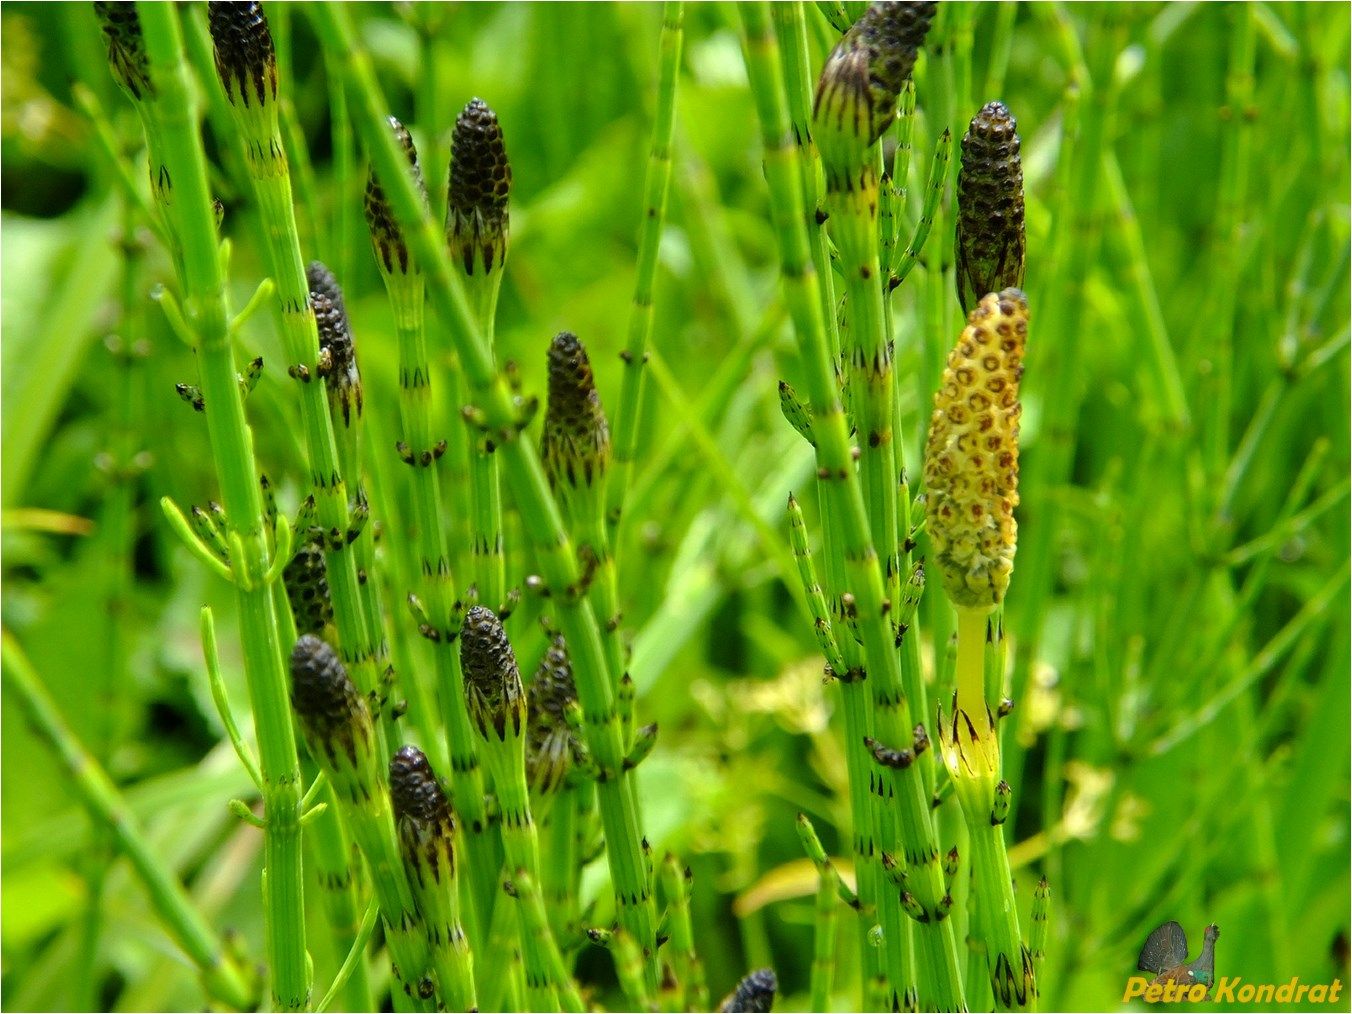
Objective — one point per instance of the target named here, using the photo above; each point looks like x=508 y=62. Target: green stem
x=182 y=191
x=655 y=187
x=189 y=928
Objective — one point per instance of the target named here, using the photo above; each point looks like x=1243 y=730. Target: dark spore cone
x=337 y=351
x=480 y=184
x=380 y=220
x=894 y=33
x=550 y=749
x=493 y=691
x=755 y=994
x=576 y=443
x=414 y=790
x=306 y=579
x=330 y=706
x=126 y=48
x=990 y=234
x=245 y=58
x=323 y=282
x=856 y=99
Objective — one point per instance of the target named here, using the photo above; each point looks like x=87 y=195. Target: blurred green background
x=1179 y=610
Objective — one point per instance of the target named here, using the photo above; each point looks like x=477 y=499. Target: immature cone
x=333 y=713
x=386 y=236
x=550 y=746
x=575 y=446
x=990 y=239
x=480 y=182
x=972 y=454
x=246 y=61
x=857 y=92
x=493 y=692
x=755 y=994
x=126 y=48
x=306 y=579
x=423 y=818
x=337 y=353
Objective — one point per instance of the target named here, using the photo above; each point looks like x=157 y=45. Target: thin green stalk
x=221 y=978
x=655 y=186
x=541 y=521
x=522 y=888
x=824 y=919
x=181 y=189
x=689 y=972
x=791 y=32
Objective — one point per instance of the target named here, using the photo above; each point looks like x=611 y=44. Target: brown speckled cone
x=322 y=281
x=338 y=352
x=575 y=447
x=754 y=994
x=332 y=711
x=972 y=454
x=494 y=695
x=480 y=185
x=385 y=232
x=414 y=789
x=126 y=48
x=306 y=579
x=422 y=817
x=549 y=744
x=245 y=59
x=990 y=237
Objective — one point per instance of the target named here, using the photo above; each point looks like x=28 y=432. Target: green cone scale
x=990 y=234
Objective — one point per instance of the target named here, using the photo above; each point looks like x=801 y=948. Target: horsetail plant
x=434 y=602
x=341 y=734
x=855 y=104
x=426 y=831
x=477 y=229
x=496 y=700
x=971 y=479
x=246 y=64
x=147 y=55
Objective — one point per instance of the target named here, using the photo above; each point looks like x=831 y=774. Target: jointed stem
x=182 y=192
x=650 y=233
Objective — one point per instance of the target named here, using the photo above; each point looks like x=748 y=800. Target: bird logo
x=1166 y=955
